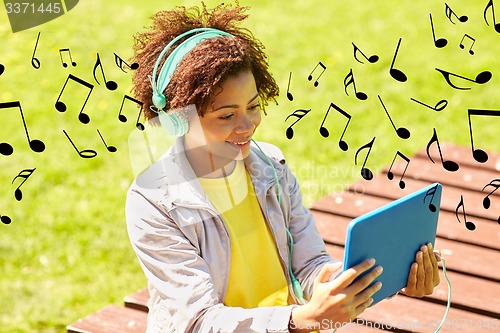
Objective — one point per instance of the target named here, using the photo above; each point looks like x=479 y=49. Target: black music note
x=439 y=105
x=448 y=165
x=5 y=219
x=469 y=225
x=120 y=62
x=299 y=114
x=26 y=173
x=365 y=172
x=431 y=192
x=372 y=59
x=495 y=183
x=402 y=132
x=111 y=85
x=462 y=43
x=86 y=153
x=349 y=79
x=324 y=131
x=34 y=61
x=439 y=43
x=496 y=25
x=61 y=106
x=122 y=117
x=480 y=155
x=288 y=93
x=111 y=149
x=70 y=57
x=449 y=12
x=481 y=78
x=390 y=175
x=317 y=79
x=396 y=73
x=35 y=145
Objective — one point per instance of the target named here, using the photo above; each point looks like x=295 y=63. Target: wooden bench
x=473 y=257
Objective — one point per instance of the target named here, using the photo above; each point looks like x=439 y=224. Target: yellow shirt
x=256 y=276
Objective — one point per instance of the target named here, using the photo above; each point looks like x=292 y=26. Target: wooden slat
x=381 y=186
x=487 y=232
x=466 y=177
x=463 y=258
x=462 y=156
x=417 y=315
x=471 y=191
x=111 y=319
x=351 y=205
x=138 y=300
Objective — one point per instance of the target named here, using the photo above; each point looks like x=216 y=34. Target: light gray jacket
x=184 y=248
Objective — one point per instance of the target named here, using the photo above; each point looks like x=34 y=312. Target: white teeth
x=241 y=143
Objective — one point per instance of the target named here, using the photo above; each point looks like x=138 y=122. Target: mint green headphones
x=173 y=123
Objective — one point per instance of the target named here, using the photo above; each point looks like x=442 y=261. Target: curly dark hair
x=206 y=66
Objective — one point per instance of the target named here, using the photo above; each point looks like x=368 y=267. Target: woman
x=218 y=222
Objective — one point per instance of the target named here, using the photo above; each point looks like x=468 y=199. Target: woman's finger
x=428 y=269
x=348 y=276
x=435 y=268
x=420 y=285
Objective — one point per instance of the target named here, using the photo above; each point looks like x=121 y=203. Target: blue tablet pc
x=392 y=234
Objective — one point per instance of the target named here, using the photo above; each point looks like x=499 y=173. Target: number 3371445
x=31 y=8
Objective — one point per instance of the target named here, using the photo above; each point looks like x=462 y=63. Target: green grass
x=66 y=252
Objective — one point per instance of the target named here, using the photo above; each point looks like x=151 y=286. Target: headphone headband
x=173 y=60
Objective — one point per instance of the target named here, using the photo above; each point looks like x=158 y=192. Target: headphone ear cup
x=173 y=124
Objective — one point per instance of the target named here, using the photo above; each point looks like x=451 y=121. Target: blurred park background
x=66 y=252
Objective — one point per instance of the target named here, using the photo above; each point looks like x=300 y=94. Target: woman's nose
x=245 y=125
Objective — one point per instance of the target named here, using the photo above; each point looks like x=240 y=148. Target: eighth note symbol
x=479 y=155
x=70 y=58
x=26 y=173
x=495 y=183
x=449 y=12
x=462 y=43
x=348 y=80
x=35 y=145
x=120 y=62
x=448 y=165
x=481 y=78
x=431 y=192
x=469 y=225
x=372 y=59
x=365 y=172
x=390 y=175
x=299 y=114
x=497 y=25
x=310 y=77
x=111 y=85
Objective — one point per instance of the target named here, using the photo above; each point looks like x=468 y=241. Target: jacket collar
x=183 y=187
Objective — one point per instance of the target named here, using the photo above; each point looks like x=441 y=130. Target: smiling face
x=223 y=133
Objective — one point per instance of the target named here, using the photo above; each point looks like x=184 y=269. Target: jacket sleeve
x=184 y=297
x=309 y=251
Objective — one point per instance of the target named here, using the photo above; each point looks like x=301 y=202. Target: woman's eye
x=255 y=107
x=226 y=117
